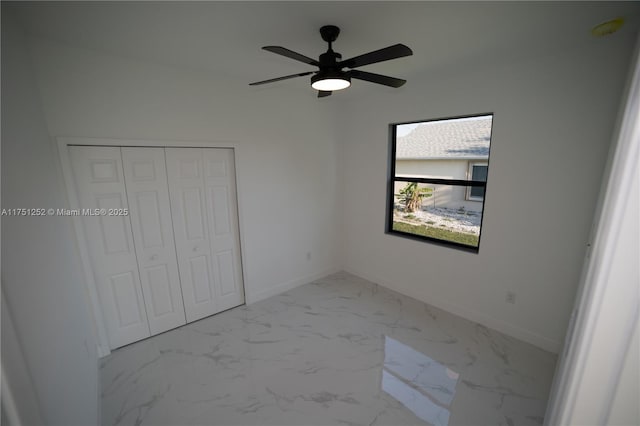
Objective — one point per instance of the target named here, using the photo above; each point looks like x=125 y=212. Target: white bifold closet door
x=205 y=222
x=175 y=257
x=148 y=195
x=100 y=185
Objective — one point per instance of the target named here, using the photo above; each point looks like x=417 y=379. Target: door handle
x=154 y=257
x=195 y=248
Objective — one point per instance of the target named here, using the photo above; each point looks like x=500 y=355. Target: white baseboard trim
x=472 y=315
x=253 y=297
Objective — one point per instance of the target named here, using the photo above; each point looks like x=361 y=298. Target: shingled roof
x=463 y=139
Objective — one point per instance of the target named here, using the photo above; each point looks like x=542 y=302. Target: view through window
x=438 y=179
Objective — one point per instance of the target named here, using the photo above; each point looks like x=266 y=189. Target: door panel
x=126 y=299
x=115 y=229
x=219 y=173
x=105 y=171
x=148 y=196
x=220 y=201
x=200 y=279
x=192 y=211
x=186 y=189
x=227 y=274
x=148 y=214
x=202 y=190
x=100 y=184
x=160 y=286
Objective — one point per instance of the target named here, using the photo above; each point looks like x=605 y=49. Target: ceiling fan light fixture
x=330 y=81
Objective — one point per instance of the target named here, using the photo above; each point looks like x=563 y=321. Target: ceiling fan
x=331 y=75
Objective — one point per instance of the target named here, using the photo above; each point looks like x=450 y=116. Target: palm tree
x=411 y=196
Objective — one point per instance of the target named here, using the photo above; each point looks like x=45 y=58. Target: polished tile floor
x=339 y=351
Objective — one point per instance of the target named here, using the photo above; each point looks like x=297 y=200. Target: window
x=438 y=179
x=477 y=171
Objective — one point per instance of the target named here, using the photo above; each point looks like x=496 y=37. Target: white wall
x=287 y=160
x=597 y=377
x=41 y=279
x=19 y=400
x=552 y=127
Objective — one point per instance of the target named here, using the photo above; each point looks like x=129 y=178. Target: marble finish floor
x=339 y=351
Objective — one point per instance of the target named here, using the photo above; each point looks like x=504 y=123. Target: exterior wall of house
x=453 y=197
x=442 y=169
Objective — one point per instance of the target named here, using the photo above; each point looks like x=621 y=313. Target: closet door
x=221 y=198
x=100 y=185
x=196 y=181
x=188 y=207
x=147 y=192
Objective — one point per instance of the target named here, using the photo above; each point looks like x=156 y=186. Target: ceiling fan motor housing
x=330 y=59
x=329 y=33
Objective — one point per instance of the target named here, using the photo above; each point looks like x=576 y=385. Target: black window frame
x=392 y=179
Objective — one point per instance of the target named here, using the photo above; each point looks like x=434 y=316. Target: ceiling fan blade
x=323 y=93
x=291 y=54
x=388 y=53
x=377 y=78
x=271 y=80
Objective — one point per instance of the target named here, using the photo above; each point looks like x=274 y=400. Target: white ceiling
x=224 y=38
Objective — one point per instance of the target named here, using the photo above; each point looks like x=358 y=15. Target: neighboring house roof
x=451 y=139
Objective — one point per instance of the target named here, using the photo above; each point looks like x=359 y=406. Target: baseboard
x=253 y=297
x=472 y=315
